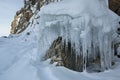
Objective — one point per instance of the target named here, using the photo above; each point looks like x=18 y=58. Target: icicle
x=88 y=40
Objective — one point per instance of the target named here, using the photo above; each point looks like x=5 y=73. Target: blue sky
x=8 y=9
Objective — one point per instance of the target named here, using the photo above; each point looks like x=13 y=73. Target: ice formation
x=87 y=24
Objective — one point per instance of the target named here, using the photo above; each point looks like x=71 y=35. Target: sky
x=8 y=10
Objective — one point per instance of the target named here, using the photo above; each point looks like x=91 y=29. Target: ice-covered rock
x=87 y=25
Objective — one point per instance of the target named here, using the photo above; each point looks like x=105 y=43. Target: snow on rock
x=76 y=8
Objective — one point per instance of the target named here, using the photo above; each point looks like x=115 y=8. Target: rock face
x=66 y=56
x=21 y=20
x=22 y=17
x=114 y=5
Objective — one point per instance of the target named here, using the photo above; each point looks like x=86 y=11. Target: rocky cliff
x=23 y=16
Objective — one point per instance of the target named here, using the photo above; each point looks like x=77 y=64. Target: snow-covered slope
x=16 y=55
x=20 y=55
x=18 y=62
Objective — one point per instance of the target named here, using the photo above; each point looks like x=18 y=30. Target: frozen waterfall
x=87 y=24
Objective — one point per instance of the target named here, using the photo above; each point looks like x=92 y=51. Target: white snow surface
x=18 y=62
x=20 y=55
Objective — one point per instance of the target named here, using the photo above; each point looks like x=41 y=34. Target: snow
x=23 y=65
x=76 y=8
x=26 y=68
x=20 y=55
x=15 y=59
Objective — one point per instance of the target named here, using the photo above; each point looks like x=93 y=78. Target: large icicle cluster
x=87 y=24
